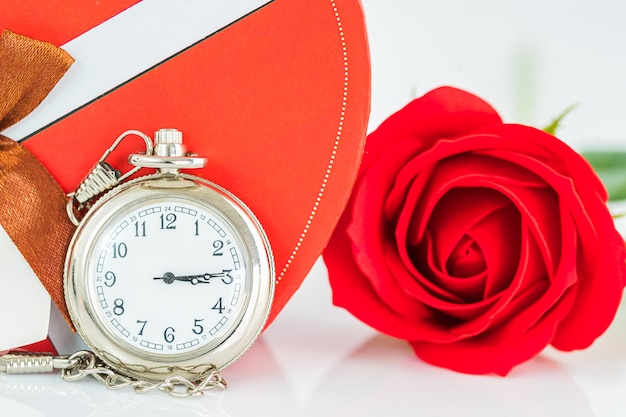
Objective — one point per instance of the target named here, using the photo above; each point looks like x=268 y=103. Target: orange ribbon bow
x=32 y=204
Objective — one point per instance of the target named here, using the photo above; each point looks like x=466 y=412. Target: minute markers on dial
x=206 y=278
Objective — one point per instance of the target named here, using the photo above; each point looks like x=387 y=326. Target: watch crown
x=168 y=142
x=170 y=136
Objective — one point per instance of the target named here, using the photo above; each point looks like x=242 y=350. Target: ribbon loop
x=29 y=69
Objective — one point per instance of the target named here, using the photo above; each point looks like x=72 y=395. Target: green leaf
x=611 y=168
x=552 y=127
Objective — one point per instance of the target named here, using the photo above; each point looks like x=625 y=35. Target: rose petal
x=536 y=295
x=407 y=189
x=599 y=290
x=442 y=112
x=554 y=153
x=456 y=159
x=368 y=225
x=368 y=229
x=353 y=291
x=491 y=352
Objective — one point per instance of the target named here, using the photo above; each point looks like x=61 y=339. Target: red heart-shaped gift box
x=277 y=99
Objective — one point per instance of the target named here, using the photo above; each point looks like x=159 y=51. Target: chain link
x=86 y=363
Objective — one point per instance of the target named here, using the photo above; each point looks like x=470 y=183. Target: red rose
x=478 y=242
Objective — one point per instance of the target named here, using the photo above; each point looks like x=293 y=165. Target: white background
x=531 y=59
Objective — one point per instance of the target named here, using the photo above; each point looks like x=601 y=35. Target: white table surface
x=531 y=59
x=317 y=360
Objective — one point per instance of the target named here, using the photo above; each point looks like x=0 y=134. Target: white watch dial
x=168 y=277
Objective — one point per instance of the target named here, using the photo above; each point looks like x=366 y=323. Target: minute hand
x=169 y=278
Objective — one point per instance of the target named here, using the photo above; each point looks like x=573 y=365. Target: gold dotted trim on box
x=333 y=155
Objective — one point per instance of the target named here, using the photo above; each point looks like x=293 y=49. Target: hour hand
x=169 y=277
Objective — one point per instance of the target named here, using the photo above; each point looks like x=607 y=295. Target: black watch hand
x=169 y=277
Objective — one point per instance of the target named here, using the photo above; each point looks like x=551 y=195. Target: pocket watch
x=169 y=277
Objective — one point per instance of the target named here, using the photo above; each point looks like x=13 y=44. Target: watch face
x=170 y=276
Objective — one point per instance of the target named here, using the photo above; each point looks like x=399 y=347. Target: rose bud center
x=466 y=259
